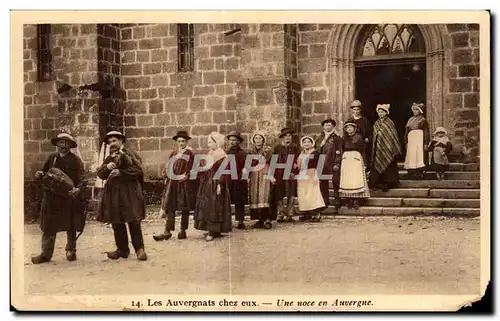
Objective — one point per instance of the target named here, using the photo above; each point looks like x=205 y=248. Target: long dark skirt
x=212 y=212
x=389 y=177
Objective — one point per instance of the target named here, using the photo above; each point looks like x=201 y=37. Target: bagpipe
x=56 y=181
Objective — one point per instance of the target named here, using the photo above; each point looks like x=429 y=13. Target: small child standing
x=440 y=146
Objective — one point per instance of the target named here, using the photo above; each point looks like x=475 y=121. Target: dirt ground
x=383 y=255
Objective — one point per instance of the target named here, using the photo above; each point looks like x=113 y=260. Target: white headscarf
x=219 y=140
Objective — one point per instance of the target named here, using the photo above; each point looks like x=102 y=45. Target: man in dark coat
x=364 y=127
x=179 y=192
x=330 y=144
x=284 y=186
x=239 y=186
x=59 y=212
x=122 y=198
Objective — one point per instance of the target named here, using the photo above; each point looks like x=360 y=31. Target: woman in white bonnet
x=213 y=204
x=416 y=140
x=440 y=146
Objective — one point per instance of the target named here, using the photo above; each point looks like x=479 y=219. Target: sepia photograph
x=250 y=161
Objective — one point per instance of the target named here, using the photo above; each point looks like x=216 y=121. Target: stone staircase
x=457 y=195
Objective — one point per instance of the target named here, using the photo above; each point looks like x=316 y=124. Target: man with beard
x=62 y=212
x=364 y=128
x=179 y=192
x=330 y=145
x=122 y=199
x=239 y=186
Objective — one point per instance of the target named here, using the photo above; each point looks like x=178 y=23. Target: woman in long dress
x=353 y=182
x=416 y=140
x=310 y=199
x=213 y=203
x=363 y=127
x=260 y=185
x=385 y=148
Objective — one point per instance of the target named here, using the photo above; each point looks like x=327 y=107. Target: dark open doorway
x=398 y=84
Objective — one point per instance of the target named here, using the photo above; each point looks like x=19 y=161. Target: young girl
x=440 y=146
x=416 y=140
x=309 y=195
x=353 y=182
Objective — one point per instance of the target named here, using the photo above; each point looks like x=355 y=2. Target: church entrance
x=399 y=84
x=390 y=68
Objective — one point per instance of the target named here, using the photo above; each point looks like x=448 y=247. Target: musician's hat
x=115 y=133
x=65 y=136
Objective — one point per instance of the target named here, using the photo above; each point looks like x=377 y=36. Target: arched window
x=391 y=39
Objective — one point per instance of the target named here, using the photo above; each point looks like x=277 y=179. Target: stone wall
x=160 y=100
x=462 y=85
x=74 y=51
x=314 y=76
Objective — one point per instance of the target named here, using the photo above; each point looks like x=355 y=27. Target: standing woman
x=386 y=147
x=416 y=140
x=259 y=184
x=213 y=202
x=364 y=128
x=353 y=183
x=311 y=201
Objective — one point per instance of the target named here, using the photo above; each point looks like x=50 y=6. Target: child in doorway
x=440 y=146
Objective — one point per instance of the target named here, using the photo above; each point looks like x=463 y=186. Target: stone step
x=435 y=184
x=426 y=193
x=456 y=167
x=445 y=184
x=417 y=202
x=431 y=175
x=404 y=211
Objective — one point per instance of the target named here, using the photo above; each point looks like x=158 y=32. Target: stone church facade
x=150 y=80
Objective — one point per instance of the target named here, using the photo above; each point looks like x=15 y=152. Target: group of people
x=364 y=157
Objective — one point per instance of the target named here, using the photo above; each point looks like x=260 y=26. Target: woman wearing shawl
x=416 y=140
x=259 y=184
x=353 y=183
x=213 y=203
x=364 y=128
x=311 y=201
x=440 y=146
x=385 y=149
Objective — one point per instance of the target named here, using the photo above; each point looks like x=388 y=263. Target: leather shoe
x=39 y=259
x=141 y=255
x=71 y=256
x=115 y=255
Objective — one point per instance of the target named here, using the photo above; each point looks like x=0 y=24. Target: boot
x=268 y=225
x=241 y=225
x=39 y=259
x=115 y=255
x=71 y=256
x=164 y=236
x=182 y=235
x=141 y=255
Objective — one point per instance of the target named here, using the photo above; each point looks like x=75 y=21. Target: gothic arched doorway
x=390 y=68
x=345 y=52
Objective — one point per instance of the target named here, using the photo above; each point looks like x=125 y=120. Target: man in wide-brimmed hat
x=284 y=186
x=330 y=144
x=179 y=193
x=239 y=186
x=122 y=199
x=364 y=127
x=62 y=212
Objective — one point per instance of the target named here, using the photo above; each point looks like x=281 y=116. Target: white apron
x=415 y=150
x=308 y=191
x=353 y=182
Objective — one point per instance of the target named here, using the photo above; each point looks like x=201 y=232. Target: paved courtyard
x=343 y=255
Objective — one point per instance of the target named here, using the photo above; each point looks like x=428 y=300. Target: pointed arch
x=344 y=41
